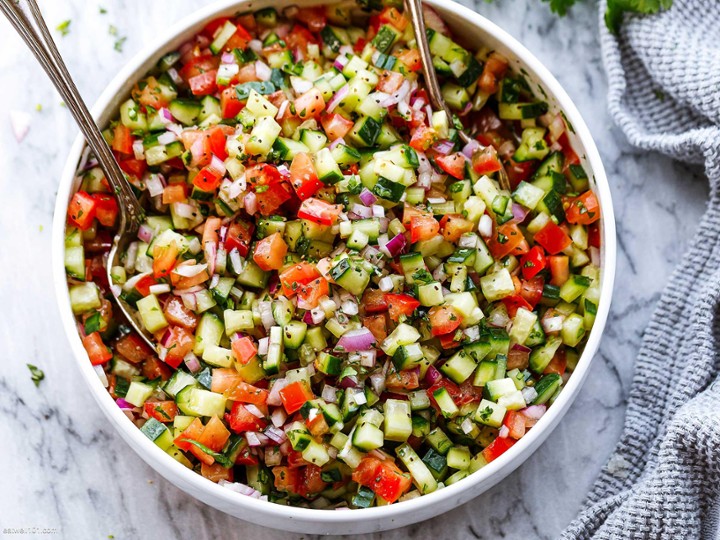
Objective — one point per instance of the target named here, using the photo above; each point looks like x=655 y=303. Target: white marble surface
x=62 y=467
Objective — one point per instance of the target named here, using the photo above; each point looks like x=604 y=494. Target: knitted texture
x=663 y=480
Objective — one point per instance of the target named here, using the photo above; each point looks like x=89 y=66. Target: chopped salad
x=348 y=309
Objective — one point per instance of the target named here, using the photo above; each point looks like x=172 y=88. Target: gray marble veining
x=63 y=467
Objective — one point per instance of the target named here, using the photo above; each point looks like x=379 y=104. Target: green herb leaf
x=64 y=28
x=222 y=459
x=617 y=8
x=36 y=374
x=92 y=324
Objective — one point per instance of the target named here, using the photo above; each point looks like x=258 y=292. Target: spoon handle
x=414 y=8
x=44 y=49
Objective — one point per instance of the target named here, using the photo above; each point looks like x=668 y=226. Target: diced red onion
x=189 y=290
x=227 y=58
x=498 y=317
x=317 y=315
x=507 y=148
x=504 y=432
x=519 y=213
x=367 y=197
x=349 y=307
x=361 y=339
x=534 y=412
x=329 y=393
x=337 y=98
x=123 y=404
x=255 y=439
x=276 y=435
x=529 y=395
x=594 y=256
x=340 y=62
x=174 y=75
x=167 y=138
x=433 y=20
x=278 y=417
x=377 y=382
x=154 y=185
x=337 y=141
x=262 y=70
x=138 y=149
x=349 y=381
x=471 y=147
x=131 y=256
x=266 y=315
x=359 y=397
x=395 y=246
x=192 y=362
x=184 y=210
x=189 y=301
x=217 y=165
x=485 y=226
x=439 y=273
x=552 y=325
x=252 y=409
x=101 y=375
x=368 y=358
x=444 y=147
x=285 y=448
x=274 y=395
x=401 y=94
x=272 y=456
x=165 y=116
x=242 y=489
x=361 y=211
x=256 y=45
x=190 y=270
x=386 y=284
x=159 y=288
x=432 y=375
x=466 y=426
x=417 y=103
x=378 y=211
x=556 y=127
x=250 y=203
x=145 y=233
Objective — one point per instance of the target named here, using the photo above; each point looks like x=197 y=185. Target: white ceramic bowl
x=476 y=30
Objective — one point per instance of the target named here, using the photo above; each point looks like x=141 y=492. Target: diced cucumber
x=541 y=356
x=422 y=477
x=151 y=314
x=209 y=332
x=195 y=401
x=546 y=388
x=138 y=393
x=459 y=367
x=398 y=422
x=490 y=414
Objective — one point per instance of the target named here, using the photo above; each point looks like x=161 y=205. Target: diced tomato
x=286 y=479
x=411 y=59
x=162 y=411
x=559 y=269
x=153 y=369
x=182 y=282
x=449 y=341
x=382 y=477
x=374 y=301
x=407 y=379
x=423 y=138
x=319 y=211
x=224 y=380
x=409 y=212
x=497 y=448
x=532 y=290
x=240 y=419
x=299 y=37
x=204 y=84
x=295 y=395
x=239 y=236
x=303 y=177
x=247 y=393
x=230 y=103
x=392 y=16
x=217 y=138
x=515 y=422
x=558 y=364
x=519 y=171
x=423 y=228
x=486 y=161
x=133 y=348
x=318 y=425
x=98 y=352
x=377 y=324
x=571 y=157
x=515 y=302
x=191 y=433
x=122 y=139
x=244 y=350
x=401 y=304
x=239 y=40
x=309 y=294
x=133 y=167
x=390 y=81
x=214 y=437
x=270 y=252
x=164 y=259
x=359 y=45
x=454 y=226
x=493 y=70
x=175 y=193
x=313 y=17
x=271 y=198
x=310 y=104
x=583 y=209
x=533 y=262
x=461 y=395
x=335 y=125
x=213 y=26
x=216 y=472
x=444 y=319
x=207 y=179
x=106 y=208
x=179 y=342
x=553 y=238
x=311 y=483
x=150 y=95
x=176 y=313
x=453 y=164
x=504 y=240
x=81 y=210
x=298 y=274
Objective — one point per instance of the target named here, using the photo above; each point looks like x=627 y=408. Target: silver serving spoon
x=40 y=42
x=414 y=8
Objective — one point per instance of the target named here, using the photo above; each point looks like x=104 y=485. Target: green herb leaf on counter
x=119 y=44
x=560 y=6
x=64 y=28
x=36 y=374
x=617 y=8
x=103 y=11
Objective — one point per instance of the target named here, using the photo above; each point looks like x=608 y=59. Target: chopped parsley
x=36 y=374
x=64 y=28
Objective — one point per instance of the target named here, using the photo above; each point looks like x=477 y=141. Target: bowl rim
x=223 y=498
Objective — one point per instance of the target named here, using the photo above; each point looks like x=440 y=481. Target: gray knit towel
x=663 y=480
